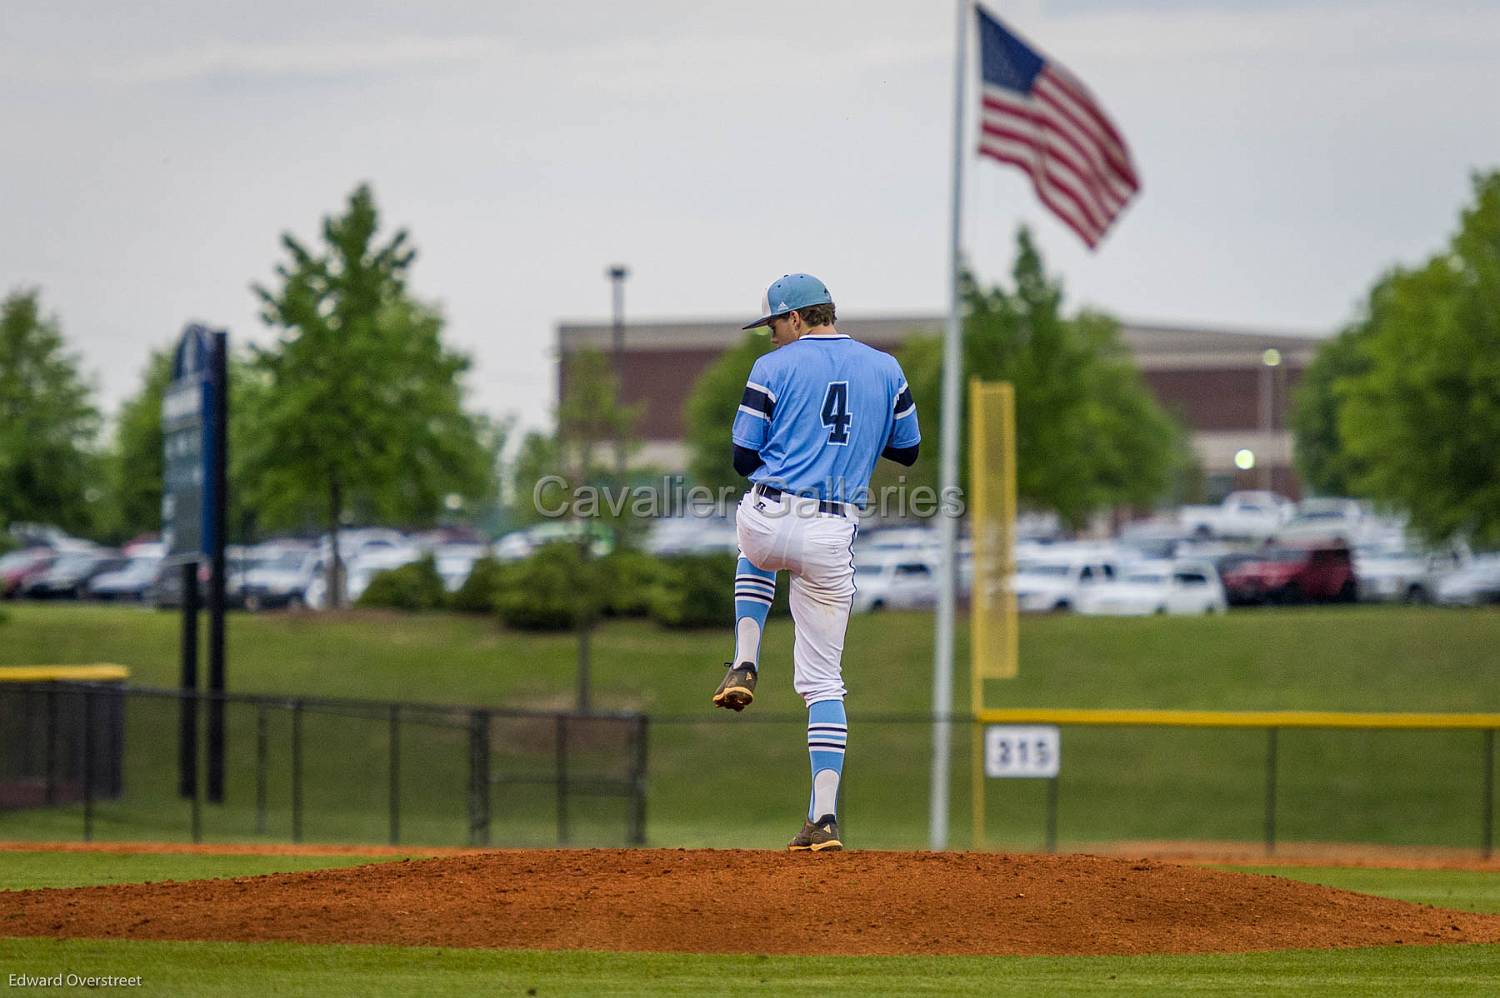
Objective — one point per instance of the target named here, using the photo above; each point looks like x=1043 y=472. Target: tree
x=709 y=412
x=359 y=412
x=1089 y=434
x=48 y=424
x=1322 y=459
x=135 y=460
x=1420 y=422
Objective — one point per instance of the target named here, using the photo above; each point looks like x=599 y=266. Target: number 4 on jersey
x=836 y=415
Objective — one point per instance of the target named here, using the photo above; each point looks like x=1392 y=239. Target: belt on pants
x=824 y=505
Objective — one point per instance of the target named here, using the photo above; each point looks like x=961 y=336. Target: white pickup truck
x=1242 y=515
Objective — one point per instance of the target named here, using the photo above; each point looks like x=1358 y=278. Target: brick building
x=1232 y=387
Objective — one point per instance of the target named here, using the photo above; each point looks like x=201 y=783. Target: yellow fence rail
x=1239 y=718
x=96 y=673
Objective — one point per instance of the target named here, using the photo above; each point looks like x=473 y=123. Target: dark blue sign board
x=189 y=412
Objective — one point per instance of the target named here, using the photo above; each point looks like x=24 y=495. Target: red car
x=1315 y=573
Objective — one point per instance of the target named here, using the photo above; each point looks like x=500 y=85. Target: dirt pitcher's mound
x=739 y=901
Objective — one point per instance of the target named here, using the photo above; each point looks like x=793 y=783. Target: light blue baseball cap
x=790 y=293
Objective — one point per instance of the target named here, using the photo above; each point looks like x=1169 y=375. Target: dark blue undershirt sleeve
x=746 y=460
x=901 y=455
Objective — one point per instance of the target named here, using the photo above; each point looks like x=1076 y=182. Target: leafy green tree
x=1089 y=434
x=710 y=410
x=48 y=423
x=1322 y=459
x=359 y=412
x=1420 y=423
x=135 y=459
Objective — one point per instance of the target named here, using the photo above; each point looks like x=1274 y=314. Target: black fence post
x=395 y=773
x=1487 y=841
x=479 y=778
x=1270 y=791
x=187 y=735
x=562 y=779
x=88 y=765
x=297 y=771
x=196 y=811
x=262 y=751
x=638 y=784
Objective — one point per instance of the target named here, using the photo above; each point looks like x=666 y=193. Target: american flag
x=1036 y=115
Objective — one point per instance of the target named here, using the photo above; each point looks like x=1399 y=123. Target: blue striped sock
x=827 y=733
x=754 y=589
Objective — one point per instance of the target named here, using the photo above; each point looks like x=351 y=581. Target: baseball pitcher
x=817 y=413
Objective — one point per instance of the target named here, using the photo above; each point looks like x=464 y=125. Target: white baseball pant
x=817 y=550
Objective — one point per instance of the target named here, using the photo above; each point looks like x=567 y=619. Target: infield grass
x=27 y=870
x=1462 y=890
x=720 y=780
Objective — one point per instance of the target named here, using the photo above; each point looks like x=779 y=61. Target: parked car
x=897 y=581
x=1242 y=515
x=523 y=543
x=132 y=581
x=1314 y=572
x=356 y=542
x=281 y=576
x=166 y=590
x=877 y=545
x=18 y=566
x=1180 y=586
x=1476 y=584
x=1403 y=575
x=1155 y=538
x=68 y=576
x=668 y=535
x=374 y=561
x=1351 y=521
x=1057 y=580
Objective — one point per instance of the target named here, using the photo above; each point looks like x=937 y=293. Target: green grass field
x=235 y=968
x=357 y=971
x=1401 y=788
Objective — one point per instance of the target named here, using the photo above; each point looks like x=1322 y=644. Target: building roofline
x=1180 y=341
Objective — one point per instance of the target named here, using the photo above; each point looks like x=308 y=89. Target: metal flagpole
x=942 y=661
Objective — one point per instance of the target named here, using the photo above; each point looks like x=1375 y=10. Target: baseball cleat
x=738 y=688
x=817 y=836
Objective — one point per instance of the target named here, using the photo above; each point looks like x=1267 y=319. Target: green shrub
x=548 y=590
x=694 y=590
x=481 y=589
x=697 y=590
x=416 y=586
x=627 y=578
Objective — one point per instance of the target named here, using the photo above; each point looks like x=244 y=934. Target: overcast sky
x=153 y=154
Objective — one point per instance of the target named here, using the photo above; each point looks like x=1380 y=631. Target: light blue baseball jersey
x=820 y=410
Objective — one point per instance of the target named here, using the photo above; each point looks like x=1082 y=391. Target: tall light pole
x=617 y=274
x=1270 y=360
